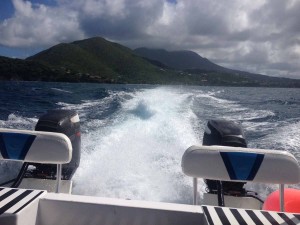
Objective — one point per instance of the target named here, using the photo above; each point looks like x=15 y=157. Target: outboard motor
x=224 y=133
x=66 y=122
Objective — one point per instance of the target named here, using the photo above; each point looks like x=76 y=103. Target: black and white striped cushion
x=14 y=200
x=232 y=216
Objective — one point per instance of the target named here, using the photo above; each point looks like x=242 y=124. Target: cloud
x=118 y=19
x=38 y=25
x=260 y=36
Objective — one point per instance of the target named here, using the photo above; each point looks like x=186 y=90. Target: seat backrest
x=35 y=146
x=241 y=164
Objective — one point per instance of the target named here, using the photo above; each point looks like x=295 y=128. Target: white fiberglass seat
x=36 y=147
x=20 y=206
x=240 y=165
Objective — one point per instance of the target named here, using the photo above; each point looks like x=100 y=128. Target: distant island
x=100 y=61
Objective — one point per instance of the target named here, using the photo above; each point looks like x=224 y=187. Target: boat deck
x=34 y=207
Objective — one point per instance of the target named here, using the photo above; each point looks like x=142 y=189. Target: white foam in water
x=84 y=107
x=61 y=90
x=18 y=122
x=139 y=156
x=135 y=152
x=284 y=137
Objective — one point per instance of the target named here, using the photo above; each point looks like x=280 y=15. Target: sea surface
x=133 y=136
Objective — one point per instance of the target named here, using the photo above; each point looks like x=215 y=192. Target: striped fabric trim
x=14 y=200
x=230 y=216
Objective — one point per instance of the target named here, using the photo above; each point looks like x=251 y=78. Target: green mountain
x=99 y=60
x=209 y=72
x=180 y=60
x=102 y=61
x=18 y=69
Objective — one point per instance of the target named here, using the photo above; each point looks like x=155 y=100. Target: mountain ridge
x=101 y=61
x=180 y=60
x=100 y=58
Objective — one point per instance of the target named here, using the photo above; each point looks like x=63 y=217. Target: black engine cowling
x=224 y=133
x=66 y=122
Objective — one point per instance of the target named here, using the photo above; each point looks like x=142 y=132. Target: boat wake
x=138 y=156
x=133 y=138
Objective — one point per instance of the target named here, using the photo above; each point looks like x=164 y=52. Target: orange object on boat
x=291 y=201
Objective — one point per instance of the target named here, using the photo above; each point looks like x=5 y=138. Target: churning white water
x=133 y=138
x=138 y=156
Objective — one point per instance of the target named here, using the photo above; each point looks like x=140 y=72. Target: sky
x=259 y=36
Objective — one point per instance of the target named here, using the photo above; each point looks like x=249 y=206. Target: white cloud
x=118 y=19
x=258 y=35
x=38 y=25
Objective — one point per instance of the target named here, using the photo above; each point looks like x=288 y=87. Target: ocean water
x=133 y=136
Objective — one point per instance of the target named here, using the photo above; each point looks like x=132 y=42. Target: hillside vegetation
x=99 y=60
x=18 y=69
x=102 y=61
